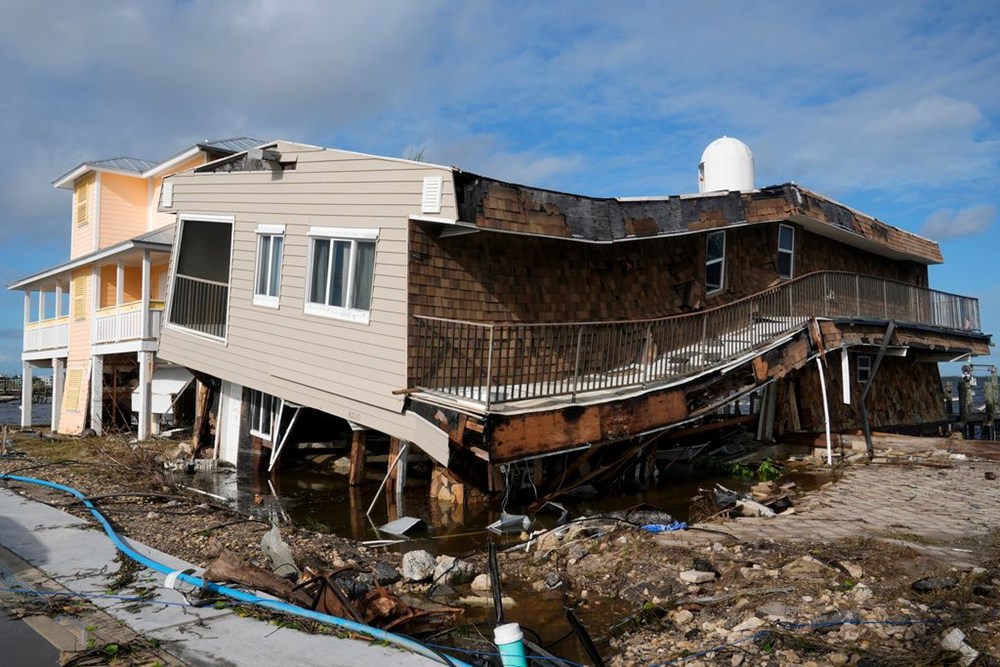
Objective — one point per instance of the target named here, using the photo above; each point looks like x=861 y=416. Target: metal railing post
x=576 y=363
x=489 y=370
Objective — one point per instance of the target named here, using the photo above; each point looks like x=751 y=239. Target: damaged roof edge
x=501 y=206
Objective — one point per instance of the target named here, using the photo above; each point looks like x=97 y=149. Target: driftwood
x=228 y=567
x=321 y=592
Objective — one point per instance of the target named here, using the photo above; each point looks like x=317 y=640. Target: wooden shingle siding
x=345 y=368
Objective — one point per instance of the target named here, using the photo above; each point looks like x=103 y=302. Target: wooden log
x=357 y=470
x=200 y=414
x=227 y=567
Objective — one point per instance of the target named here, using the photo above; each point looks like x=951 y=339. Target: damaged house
x=94 y=320
x=315 y=290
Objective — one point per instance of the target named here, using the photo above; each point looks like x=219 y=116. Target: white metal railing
x=200 y=305
x=497 y=363
x=48 y=334
x=123 y=322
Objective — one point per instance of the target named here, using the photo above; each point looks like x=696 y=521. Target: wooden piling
x=357 y=470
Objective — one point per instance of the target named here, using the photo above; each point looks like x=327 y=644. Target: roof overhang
x=106 y=253
x=66 y=182
x=180 y=158
x=852 y=238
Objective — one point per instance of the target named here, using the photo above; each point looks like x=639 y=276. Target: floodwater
x=10 y=413
x=325 y=502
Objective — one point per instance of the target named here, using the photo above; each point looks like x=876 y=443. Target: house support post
x=146 y=292
x=58 y=379
x=868 y=385
x=357 y=471
x=826 y=412
x=27 y=386
x=145 y=395
x=97 y=394
x=200 y=415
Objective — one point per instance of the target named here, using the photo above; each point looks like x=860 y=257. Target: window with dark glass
x=786 y=251
x=715 y=261
x=261 y=413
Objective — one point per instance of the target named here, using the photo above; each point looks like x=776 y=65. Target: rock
x=928 y=584
x=853 y=569
x=575 y=552
x=683 y=617
x=703 y=565
x=538 y=586
x=861 y=593
x=342 y=465
x=954 y=640
x=750 y=623
x=452 y=571
x=834 y=620
x=479 y=601
x=418 y=565
x=989 y=474
x=441 y=592
x=850 y=632
x=696 y=576
x=553 y=580
x=838 y=658
x=775 y=611
x=805 y=565
x=736 y=660
x=386 y=574
x=482 y=583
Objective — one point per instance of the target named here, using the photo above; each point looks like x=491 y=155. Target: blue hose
x=241 y=596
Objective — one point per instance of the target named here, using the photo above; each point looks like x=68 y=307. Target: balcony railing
x=50 y=334
x=496 y=363
x=123 y=322
x=200 y=305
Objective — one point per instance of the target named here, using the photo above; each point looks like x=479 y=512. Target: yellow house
x=95 y=319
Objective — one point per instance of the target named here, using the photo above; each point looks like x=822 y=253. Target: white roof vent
x=167 y=194
x=727 y=164
x=431 y=201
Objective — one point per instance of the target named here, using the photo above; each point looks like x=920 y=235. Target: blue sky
x=889 y=107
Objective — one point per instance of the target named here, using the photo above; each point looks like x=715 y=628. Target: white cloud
x=948 y=224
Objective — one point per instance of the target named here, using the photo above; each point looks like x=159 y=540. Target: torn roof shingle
x=500 y=206
x=231 y=145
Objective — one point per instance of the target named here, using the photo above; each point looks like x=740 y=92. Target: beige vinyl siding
x=345 y=368
x=158 y=219
x=123 y=208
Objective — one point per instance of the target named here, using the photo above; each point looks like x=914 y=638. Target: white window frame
x=258 y=400
x=864 y=367
x=787 y=251
x=720 y=260
x=352 y=235
x=271 y=231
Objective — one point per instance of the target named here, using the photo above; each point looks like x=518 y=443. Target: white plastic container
x=510 y=641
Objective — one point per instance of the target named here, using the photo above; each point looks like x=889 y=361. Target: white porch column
x=145 y=394
x=119 y=282
x=59 y=300
x=41 y=305
x=26 y=394
x=97 y=394
x=27 y=319
x=58 y=380
x=146 y=334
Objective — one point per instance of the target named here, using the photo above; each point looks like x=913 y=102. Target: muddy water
x=325 y=502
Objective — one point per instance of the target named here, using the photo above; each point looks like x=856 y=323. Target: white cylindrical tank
x=727 y=164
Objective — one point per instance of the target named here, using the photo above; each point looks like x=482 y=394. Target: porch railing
x=200 y=305
x=47 y=334
x=497 y=363
x=123 y=322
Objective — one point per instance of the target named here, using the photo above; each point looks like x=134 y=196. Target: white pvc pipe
x=826 y=413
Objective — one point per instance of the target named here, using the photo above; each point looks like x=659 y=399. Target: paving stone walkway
x=936 y=508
